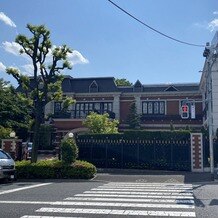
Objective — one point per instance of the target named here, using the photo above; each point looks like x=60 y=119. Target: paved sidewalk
x=152 y=176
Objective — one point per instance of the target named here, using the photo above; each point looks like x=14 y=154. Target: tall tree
x=45 y=85
x=133 y=118
x=14 y=110
x=123 y=82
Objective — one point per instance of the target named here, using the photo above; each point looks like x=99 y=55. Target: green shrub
x=140 y=134
x=44 y=169
x=4 y=133
x=69 y=151
x=54 y=169
x=79 y=170
x=24 y=169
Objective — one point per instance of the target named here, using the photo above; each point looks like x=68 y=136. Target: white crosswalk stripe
x=136 y=196
x=142 y=190
x=133 y=200
x=126 y=199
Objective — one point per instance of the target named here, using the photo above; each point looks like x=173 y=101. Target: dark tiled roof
x=125 y=88
x=163 y=88
x=107 y=84
x=81 y=85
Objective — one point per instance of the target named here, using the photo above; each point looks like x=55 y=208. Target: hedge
x=54 y=169
x=142 y=135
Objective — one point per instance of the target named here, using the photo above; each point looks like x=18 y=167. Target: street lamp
x=71 y=135
x=12 y=134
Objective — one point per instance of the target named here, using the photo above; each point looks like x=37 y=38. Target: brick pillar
x=196 y=152
x=12 y=146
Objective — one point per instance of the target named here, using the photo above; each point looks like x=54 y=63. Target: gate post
x=196 y=152
x=13 y=147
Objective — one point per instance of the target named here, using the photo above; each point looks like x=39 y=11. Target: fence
x=137 y=153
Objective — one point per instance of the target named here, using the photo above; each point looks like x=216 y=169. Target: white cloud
x=12 y=47
x=213 y=25
x=77 y=58
x=201 y=25
x=7 y=20
x=215 y=12
x=2 y=67
x=28 y=69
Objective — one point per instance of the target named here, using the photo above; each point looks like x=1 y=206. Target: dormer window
x=171 y=89
x=138 y=86
x=93 y=87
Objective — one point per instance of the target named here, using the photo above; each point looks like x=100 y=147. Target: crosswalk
x=124 y=199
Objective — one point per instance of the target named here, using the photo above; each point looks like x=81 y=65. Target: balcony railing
x=68 y=115
x=167 y=117
x=62 y=115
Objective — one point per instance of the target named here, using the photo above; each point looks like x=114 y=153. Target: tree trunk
x=36 y=136
x=36 y=133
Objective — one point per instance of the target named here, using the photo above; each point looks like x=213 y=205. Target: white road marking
x=102 y=204
x=135 y=196
x=26 y=202
x=106 y=204
x=147 y=185
x=181 y=201
x=133 y=199
x=137 y=193
x=27 y=216
x=116 y=212
x=140 y=190
x=144 y=183
x=23 y=188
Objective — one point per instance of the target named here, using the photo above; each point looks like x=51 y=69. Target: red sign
x=184 y=108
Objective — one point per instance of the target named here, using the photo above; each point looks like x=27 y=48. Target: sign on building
x=192 y=111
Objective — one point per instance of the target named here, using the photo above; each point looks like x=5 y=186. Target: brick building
x=159 y=105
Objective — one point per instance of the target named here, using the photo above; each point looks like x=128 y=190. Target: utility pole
x=210 y=120
x=211 y=54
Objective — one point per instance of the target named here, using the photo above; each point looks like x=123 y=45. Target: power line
x=155 y=30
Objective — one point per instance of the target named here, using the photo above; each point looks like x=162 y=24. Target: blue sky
x=109 y=43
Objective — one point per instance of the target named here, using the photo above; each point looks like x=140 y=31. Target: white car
x=7 y=166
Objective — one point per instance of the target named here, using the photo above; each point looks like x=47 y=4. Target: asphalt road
x=110 y=195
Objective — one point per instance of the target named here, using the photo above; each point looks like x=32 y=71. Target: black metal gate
x=141 y=154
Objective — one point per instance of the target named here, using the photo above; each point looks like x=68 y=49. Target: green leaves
x=14 y=109
x=98 y=123
x=67 y=101
x=13 y=71
x=48 y=62
x=123 y=82
x=69 y=151
x=133 y=118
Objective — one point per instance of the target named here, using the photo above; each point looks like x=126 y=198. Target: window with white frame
x=82 y=109
x=153 y=107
